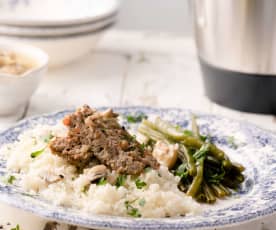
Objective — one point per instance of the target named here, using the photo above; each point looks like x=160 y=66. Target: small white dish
x=63 y=50
x=56 y=31
x=55 y=12
x=16 y=90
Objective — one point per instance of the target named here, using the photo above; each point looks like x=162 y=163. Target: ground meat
x=97 y=136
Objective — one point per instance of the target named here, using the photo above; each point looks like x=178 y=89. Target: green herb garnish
x=121 y=180
x=37 y=153
x=142 y=202
x=203 y=138
x=131 y=211
x=48 y=138
x=11 y=179
x=188 y=132
x=182 y=171
x=143 y=146
x=214 y=175
x=16 y=228
x=102 y=181
x=202 y=151
x=136 y=119
x=140 y=184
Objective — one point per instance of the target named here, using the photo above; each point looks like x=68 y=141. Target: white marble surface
x=129 y=68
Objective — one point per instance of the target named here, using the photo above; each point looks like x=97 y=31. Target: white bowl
x=56 y=31
x=55 y=12
x=15 y=91
x=63 y=49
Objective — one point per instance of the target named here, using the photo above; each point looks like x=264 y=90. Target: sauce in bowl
x=14 y=63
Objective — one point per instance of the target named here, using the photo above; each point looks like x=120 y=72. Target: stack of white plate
x=65 y=29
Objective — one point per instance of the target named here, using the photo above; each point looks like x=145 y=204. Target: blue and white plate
x=255 y=148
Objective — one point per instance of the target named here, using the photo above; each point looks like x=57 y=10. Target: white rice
x=160 y=196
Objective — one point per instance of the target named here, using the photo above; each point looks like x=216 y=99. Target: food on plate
x=14 y=64
x=206 y=172
x=98 y=137
x=89 y=161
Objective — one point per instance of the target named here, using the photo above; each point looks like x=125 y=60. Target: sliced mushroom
x=165 y=154
x=51 y=179
x=96 y=172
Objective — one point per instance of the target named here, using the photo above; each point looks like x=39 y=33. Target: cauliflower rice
x=159 y=198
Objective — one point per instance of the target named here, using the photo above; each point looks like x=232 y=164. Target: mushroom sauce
x=14 y=63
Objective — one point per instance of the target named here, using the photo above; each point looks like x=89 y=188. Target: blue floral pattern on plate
x=255 y=148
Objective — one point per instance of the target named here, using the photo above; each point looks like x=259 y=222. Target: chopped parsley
x=150 y=143
x=48 y=138
x=16 y=228
x=214 y=175
x=8 y=180
x=182 y=171
x=143 y=146
x=201 y=153
x=132 y=211
x=188 y=132
x=11 y=179
x=121 y=180
x=136 y=118
x=37 y=153
x=203 y=138
x=140 y=184
x=142 y=202
x=102 y=181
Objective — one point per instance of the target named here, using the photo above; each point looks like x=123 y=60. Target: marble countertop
x=127 y=68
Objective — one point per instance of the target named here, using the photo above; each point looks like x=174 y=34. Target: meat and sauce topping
x=95 y=136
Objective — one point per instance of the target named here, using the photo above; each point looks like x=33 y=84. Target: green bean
x=226 y=190
x=226 y=162
x=239 y=178
x=190 y=141
x=152 y=134
x=212 y=160
x=228 y=173
x=210 y=197
x=219 y=192
x=201 y=197
x=238 y=167
x=216 y=152
x=197 y=143
x=184 y=154
x=164 y=127
x=195 y=186
x=231 y=183
x=195 y=128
